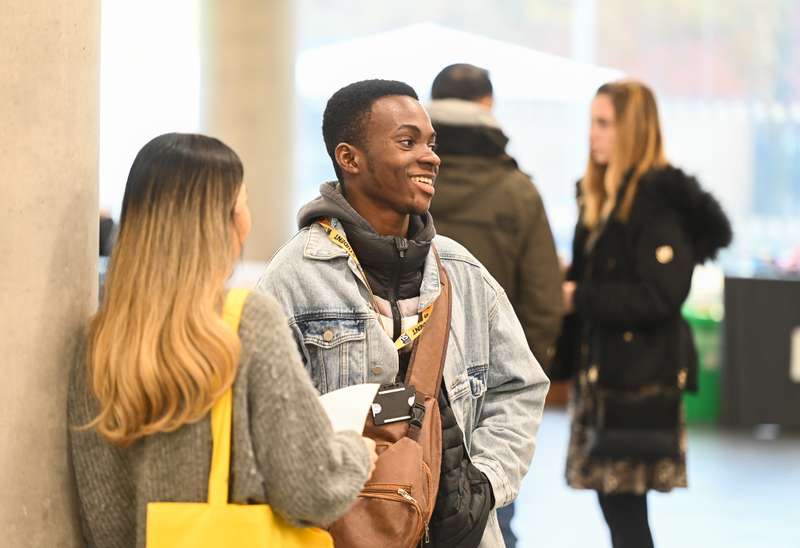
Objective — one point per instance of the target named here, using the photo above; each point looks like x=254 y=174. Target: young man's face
x=401 y=165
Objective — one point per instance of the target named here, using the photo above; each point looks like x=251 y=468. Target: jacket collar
x=319 y=247
x=465 y=128
x=458 y=112
x=431 y=283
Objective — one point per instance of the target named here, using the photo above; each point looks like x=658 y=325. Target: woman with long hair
x=158 y=355
x=643 y=226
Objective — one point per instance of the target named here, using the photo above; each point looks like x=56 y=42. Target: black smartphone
x=393 y=403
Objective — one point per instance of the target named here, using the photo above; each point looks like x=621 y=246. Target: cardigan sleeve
x=311 y=474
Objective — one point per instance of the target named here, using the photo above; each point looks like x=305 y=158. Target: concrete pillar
x=48 y=253
x=247 y=101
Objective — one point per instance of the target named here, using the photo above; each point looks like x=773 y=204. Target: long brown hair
x=638 y=148
x=159 y=354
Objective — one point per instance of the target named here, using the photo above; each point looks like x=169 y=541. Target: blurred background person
x=643 y=226
x=485 y=202
x=108 y=233
x=158 y=355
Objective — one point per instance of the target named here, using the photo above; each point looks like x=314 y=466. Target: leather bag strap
x=426 y=365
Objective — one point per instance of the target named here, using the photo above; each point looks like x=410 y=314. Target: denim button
x=327 y=336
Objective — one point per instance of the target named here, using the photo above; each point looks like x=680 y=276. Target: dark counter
x=760 y=316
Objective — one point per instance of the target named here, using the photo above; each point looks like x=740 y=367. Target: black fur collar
x=703 y=217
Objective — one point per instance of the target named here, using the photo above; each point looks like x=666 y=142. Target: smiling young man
x=347 y=310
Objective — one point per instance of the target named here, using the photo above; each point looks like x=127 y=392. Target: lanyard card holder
x=393 y=403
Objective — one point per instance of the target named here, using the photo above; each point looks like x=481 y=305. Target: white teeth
x=423 y=180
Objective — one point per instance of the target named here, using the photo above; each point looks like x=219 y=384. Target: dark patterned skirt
x=613 y=476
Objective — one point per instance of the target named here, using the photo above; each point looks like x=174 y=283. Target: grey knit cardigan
x=284 y=452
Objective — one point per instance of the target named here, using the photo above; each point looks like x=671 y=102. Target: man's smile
x=424 y=183
x=424 y=179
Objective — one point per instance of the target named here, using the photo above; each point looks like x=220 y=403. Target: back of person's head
x=159 y=353
x=348 y=110
x=462 y=81
x=638 y=148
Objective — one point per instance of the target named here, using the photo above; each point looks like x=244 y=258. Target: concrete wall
x=48 y=253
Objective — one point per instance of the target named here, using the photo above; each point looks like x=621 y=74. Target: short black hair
x=462 y=81
x=348 y=111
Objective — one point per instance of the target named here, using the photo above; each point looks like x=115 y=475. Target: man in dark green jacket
x=484 y=202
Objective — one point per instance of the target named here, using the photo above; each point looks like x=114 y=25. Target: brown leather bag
x=396 y=504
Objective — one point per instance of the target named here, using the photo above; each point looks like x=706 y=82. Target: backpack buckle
x=417 y=415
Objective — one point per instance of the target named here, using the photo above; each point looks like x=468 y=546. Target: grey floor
x=743 y=493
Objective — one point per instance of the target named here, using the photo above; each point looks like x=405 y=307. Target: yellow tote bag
x=217 y=524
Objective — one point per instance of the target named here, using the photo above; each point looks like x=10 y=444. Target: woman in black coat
x=643 y=226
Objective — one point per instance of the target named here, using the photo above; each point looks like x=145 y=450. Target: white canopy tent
x=415 y=54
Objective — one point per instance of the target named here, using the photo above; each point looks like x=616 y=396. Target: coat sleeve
x=663 y=268
x=503 y=440
x=539 y=304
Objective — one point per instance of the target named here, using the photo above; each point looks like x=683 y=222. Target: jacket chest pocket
x=466 y=372
x=466 y=391
x=466 y=385
x=336 y=350
x=476 y=374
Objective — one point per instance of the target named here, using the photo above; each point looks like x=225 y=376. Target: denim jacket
x=496 y=387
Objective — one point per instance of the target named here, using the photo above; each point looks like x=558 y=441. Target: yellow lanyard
x=410 y=334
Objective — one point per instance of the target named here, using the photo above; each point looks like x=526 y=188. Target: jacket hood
x=703 y=217
x=330 y=203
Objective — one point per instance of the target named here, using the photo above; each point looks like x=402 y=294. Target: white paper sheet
x=348 y=407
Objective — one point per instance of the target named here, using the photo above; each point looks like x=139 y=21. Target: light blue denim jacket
x=496 y=386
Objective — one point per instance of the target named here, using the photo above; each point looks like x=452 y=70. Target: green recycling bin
x=704 y=406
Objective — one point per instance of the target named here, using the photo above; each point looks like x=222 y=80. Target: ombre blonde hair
x=638 y=148
x=159 y=354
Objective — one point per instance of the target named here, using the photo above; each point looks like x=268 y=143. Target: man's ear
x=486 y=102
x=348 y=157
